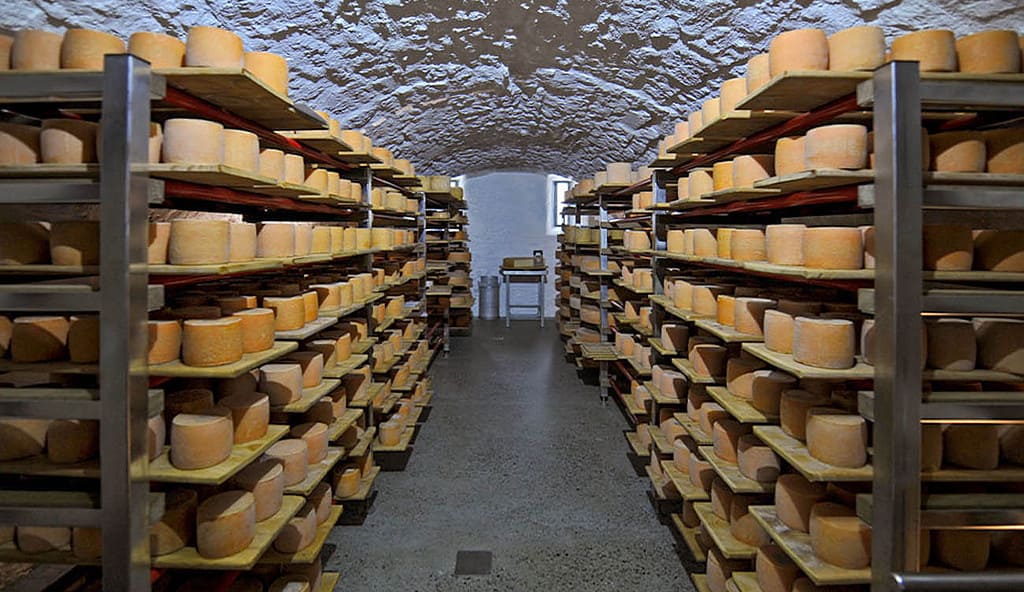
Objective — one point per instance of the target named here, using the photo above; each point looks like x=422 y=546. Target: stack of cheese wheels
x=225 y=524
x=203 y=439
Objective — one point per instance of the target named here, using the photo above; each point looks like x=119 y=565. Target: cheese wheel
x=933 y=49
x=708 y=359
x=721 y=175
x=250 y=414
x=161 y=51
x=289 y=312
x=784 y=244
x=193 y=141
x=840 y=146
x=778 y=331
x=176 y=526
x=856 y=48
x=775 y=571
x=347 y=483
x=75 y=243
x=702 y=474
x=951 y=344
x=699 y=182
x=972 y=446
x=241 y=150
x=36 y=50
x=794 y=498
x=833 y=247
x=164 y=341
x=766 y=390
x=72 y=440
x=793 y=407
x=264 y=479
x=747 y=244
x=242 y=242
x=299 y=533
x=704 y=244
x=732 y=92
x=721 y=499
x=67 y=141
x=84 y=339
x=681 y=456
x=269 y=68
x=839 y=537
x=293 y=454
x=321 y=499
x=390 y=433
x=159 y=236
x=986 y=52
x=1000 y=344
x=199 y=242
x=790 y=156
x=156 y=436
x=315 y=437
x=312 y=365
x=757 y=461
x=257 y=329
x=201 y=440
x=958 y=152
x=705 y=300
x=802 y=49
x=206 y=343
x=619 y=173
x=225 y=524
x=739 y=374
x=711 y=110
x=84 y=49
x=310 y=307
x=674 y=239
x=281 y=382
x=337 y=239
x=948 y=247
x=749 y=315
x=20 y=438
x=1004 y=151
x=272 y=164
x=999 y=250
x=276 y=240
x=34 y=540
x=747 y=169
x=744 y=527
x=192 y=400
x=964 y=550
x=39 y=339
x=710 y=414
x=724 y=236
x=213 y=47
x=839 y=440
x=758 y=72
x=725 y=310
x=725 y=436
x=328 y=295
x=321 y=240
x=364 y=238
x=294 y=169
x=719 y=569
x=674 y=337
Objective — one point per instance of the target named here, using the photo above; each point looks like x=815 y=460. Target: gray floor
x=518 y=458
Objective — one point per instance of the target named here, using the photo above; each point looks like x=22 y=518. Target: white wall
x=508 y=218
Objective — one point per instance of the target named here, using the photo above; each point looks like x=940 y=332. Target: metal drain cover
x=473 y=563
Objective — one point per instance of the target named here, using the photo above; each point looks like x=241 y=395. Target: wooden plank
x=40 y=466
x=700 y=582
x=9 y=553
x=795 y=453
x=266 y=532
x=315 y=474
x=660 y=486
x=720 y=533
x=684 y=486
x=161 y=470
x=56 y=367
x=342 y=368
x=402 y=445
x=803 y=90
x=726 y=333
x=329 y=581
x=661 y=398
x=693 y=428
x=216 y=175
x=365 y=488
x=741 y=409
x=366 y=400
x=216 y=269
x=343 y=423
x=797 y=545
x=322 y=140
x=689 y=536
x=660 y=443
x=312 y=551
x=177 y=369
x=745 y=581
x=308 y=330
x=309 y=397
x=730 y=473
x=740 y=194
x=806 y=273
x=686 y=367
x=634 y=444
x=363 y=446
x=816 y=179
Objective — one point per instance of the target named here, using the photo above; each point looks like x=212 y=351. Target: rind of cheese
x=775 y=571
x=721 y=175
x=193 y=141
x=951 y=344
x=199 y=242
x=176 y=527
x=749 y=314
x=269 y=68
x=987 y=52
x=999 y=250
x=310 y=307
x=242 y=150
x=242 y=242
x=160 y=50
x=156 y=436
x=225 y=524
x=84 y=339
x=702 y=474
x=315 y=436
x=747 y=244
x=747 y=169
x=281 y=382
x=1004 y=150
x=699 y=182
x=801 y=49
x=708 y=359
x=793 y=409
x=250 y=414
x=257 y=329
x=704 y=243
x=711 y=110
x=839 y=146
x=36 y=50
x=72 y=440
x=159 y=236
x=933 y=49
x=824 y=343
x=972 y=446
x=725 y=310
x=789 y=156
x=206 y=343
x=739 y=376
x=794 y=499
x=293 y=454
x=39 y=339
x=1000 y=344
x=34 y=540
x=83 y=49
x=766 y=390
x=23 y=243
x=839 y=537
x=856 y=48
x=21 y=438
x=756 y=460
x=784 y=244
x=758 y=71
x=289 y=312
x=213 y=47
x=164 y=341
x=275 y=240
x=347 y=482
x=721 y=498
x=299 y=533
x=725 y=438
x=947 y=247
x=272 y=163
x=958 y=152
x=67 y=141
x=719 y=569
x=778 y=331
x=265 y=480
x=201 y=440
x=321 y=499
x=75 y=243
x=732 y=92
x=724 y=236
x=294 y=169
x=839 y=440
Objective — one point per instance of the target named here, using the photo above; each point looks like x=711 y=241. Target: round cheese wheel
x=242 y=150
x=250 y=413
x=72 y=440
x=721 y=175
x=840 y=146
x=948 y=247
x=725 y=437
x=1004 y=150
x=964 y=550
x=34 y=540
x=766 y=390
x=84 y=49
x=294 y=169
x=201 y=440
x=972 y=446
x=724 y=236
x=856 y=48
x=257 y=329
x=784 y=244
x=951 y=344
x=793 y=407
x=749 y=315
x=704 y=244
x=321 y=499
x=289 y=312
x=337 y=239
x=312 y=365
x=833 y=247
x=159 y=236
x=177 y=525
x=839 y=440
x=161 y=51
x=778 y=331
x=39 y=339
x=758 y=71
x=958 y=152
x=84 y=339
x=747 y=244
x=67 y=141
x=241 y=241
x=213 y=47
x=699 y=182
x=721 y=499
x=794 y=498
x=6 y=41
x=739 y=374
x=192 y=400
x=293 y=454
x=1000 y=344
x=74 y=243
x=225 y=524
x=20 y=438
x=271 y=164
x=933 y=49
x=315 y=437
x=276 y=240
x=390 y=433
x=193 y=141
x=709 y=415
x=682 y=295
x=269 y=68
x=802 y=49
x=839 y=537
x=281 y=382
x=702 y=474
x=732 y=92
x=999 y=250
x=986 y=52
x=719 y=570
x=748 y=168
x=299 y=533
x=23 y=243
x=206 y=343
x=744 y=527
x=36 y=50
x=264 y=479
x=310 y=307
x=790 y=156
x=674 y=240
x=711 y=110
x=775 y=571
x=321 y=240
x=347 y=483
x=156 y=436
x=708 y=359
x=619 y=173
x=164 y=341
x=705 y=300
x=757 y=461
x=681 y=456
x=725 y=310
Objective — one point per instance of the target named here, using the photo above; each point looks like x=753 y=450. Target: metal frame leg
x=508 y=303
x=540 y=302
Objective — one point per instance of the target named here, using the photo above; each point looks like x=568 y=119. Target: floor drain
x=473 y=563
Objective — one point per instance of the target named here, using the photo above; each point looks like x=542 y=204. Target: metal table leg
x=540 y=301
x=508 y=304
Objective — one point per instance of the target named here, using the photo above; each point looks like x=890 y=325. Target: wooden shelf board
x=365 y=487
x=177 y=369
x=403 y=442
x=719 y=531
x=816 y=179
x=216 y=269
x=745 y=581
x=684 y=486
x=700 y=582
x=686 y=367
x=315 y=474
x=689 y=537
x=796 y=454
x=363 y=446
x=371 y=393
x=329 y=581
x=660 y=398
x=633 y=439
x=55 y=367
x=342 y=368
x=309 y=397
x=693 y=428
x=312 y=551
x=659 y=442
x=9 y=553
x=730 y=473
x=805 y=273
x=343 y=423
x=727 y=334
x=860 y=371
x=308 y=330
x=739 y=194
x=161 y=469
x=659 y=485
x=322 y=140
x=631 y=406
x=659 y=347
x=40 y=466
x=741 y=409
x=363 y=345
x=798 y=546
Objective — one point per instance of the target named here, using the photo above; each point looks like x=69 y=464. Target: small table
x=524 y=275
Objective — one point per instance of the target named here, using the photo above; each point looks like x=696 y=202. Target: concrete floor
x=518 y=458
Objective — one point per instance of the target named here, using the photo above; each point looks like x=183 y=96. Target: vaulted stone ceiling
x=466 y=86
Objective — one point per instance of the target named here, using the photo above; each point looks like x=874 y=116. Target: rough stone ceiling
x=466 y=86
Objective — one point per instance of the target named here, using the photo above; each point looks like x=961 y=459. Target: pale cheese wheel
x=682 y=130
x=775 y=571
x=321 y=500
x=158 y=238
x=681 y=457
x=299 y=532
x=725 y=436
x=390 y=433
x=281 y=382
x=758 y=71
x=272 y=164
x=201 y=440
x=21 y=438
x=269 y=68
x=6 y=41
x=1004 y=151
x=964 y=550
x=801 y=49
x=988 y=52
x=34 y=540
x=748 y=169
x=156 y=436
x=700 y=182
x=839 y=537
x=312 y=365
x=213 y=47
x=745 y=528
x=67 y=141
x=778 y=331
x=839 y=146
x=320 y=243
x=833 y=247
x=72 y=440
x=719 y=570
x=725 y=310
x=790 y=156
x=710 y=414
x=972 y=446
x=951 y=344
x=682 y=295
x=704 y=243
x=1000 y=344
x=793 y=408
x=315 y=436
x=347 y=483
x=749 y=315
x=731 y=93
x=264 y=479
x=364 y=238
x=177 y=525
x=160 y=50
x=75 y=243
x=84 y=49
x=257 y=329
x=756 y=460
x=794 y=499
x=36 y=50
x=241 y=150
x=784 y=244
x=242 y=242
x=289 y=312
x=958 y=152
x=721 y=498
x=721 y=175
x=250 y=414
x=23 y=243
x=933 y=49
x=84 y=339
x=856 y=48
x=766 y=390
x=695 y=122
x=747 y=244
x=337 y=239
x=164 y=341
x=711 y=110
x=293 y=454
x=225 y=524
x=206 y=343
x=276 y=240
x=702 y=474
x=193 y=141
x=724 y=236
x=294 y=169
x=310 y=307
x=39 y=339
x=199 y=242
x=708 y=359
x=838 y=440
x=705 y=300
x=619 y=173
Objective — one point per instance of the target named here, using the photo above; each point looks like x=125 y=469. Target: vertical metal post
x=604 y=380
x=368 y=261
x=124 y=486
x=898 y=216
x=659 y=194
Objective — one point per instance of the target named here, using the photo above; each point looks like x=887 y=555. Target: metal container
x=489 y=297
